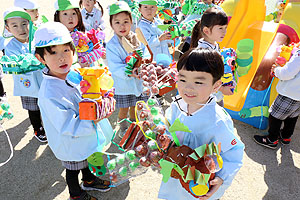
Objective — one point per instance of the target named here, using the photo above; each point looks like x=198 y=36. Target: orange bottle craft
x=96 y=85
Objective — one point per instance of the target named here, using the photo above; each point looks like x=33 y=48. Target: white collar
x=183 y=106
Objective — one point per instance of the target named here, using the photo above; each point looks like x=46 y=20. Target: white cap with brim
x=26 y=4
x=14 y=12
x=51 y=33
x=66 y=4
x=118 y=7
x=148 y=2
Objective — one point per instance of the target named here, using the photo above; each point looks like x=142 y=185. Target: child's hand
x=107 y=116
x=83 y=65
x=214 y=186
x=135 y=73
x=273 y=68
x=104 y=55
x=227 y=90
x=165 y=36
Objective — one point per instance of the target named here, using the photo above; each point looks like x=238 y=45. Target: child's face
x=148 y=11
x=217 y=33
x=59 y=61
x=34 y=14
x=19 y=28
x=69 y=18
x=88 y=4
x=196 y=87
x=121 y=24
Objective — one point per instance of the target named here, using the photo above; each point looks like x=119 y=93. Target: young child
x=156 y=38
x=207 y=32
x=30 y=7
x=68 y=13
x=25 y=85
x=286 y=107
x=199 y=74
x=72 y=140
x=92 y=16
x=128 y=89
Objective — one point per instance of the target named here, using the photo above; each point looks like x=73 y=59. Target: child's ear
x=217 y=85
x=206 y=30
x=40 y=58
x=7 y=28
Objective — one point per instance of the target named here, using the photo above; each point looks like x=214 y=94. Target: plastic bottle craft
x=230 y=76
x=20 y=64
x=119 y=166
x=158 y=77
x=96 y=85
x=89 y=45
x=148 y=138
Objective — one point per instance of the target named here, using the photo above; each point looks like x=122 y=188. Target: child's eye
x=182 y=80
x=117 y=22
x=67 y=50
x=198 y=83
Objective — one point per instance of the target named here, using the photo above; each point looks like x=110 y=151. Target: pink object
x=281 y=61
x=84 y=86
x=93 y=56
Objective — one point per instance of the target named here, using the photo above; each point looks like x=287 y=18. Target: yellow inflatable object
x=248 y=22
x=228 y=6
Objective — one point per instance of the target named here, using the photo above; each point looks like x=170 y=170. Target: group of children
x=52 y=102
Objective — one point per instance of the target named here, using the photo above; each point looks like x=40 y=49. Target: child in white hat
x=68 y=13
x=30 y=7
x=91 y=15
x=25 y=85
x=72 y=140
x=128 y=89
x=156 y=38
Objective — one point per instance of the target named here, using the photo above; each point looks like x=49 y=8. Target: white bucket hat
x=26 y=4
x=51 y=33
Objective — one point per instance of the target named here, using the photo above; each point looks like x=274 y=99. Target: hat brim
x=20 y=14
x=55 y=41
x=152 y=3
x=118 y=11
x=61 y=8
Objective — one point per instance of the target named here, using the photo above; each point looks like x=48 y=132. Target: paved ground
x=34 y=173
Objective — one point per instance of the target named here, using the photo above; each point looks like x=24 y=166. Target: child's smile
x=195 y=88
x=19 y=28
x=121 y=24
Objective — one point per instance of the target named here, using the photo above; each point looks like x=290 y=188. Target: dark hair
x=111 y=16
x=202 y=60
x=80 y=25
x=41 y=50
x=101 y=8
x=210 y=18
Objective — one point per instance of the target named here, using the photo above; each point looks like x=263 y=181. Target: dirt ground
x=34 y=173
